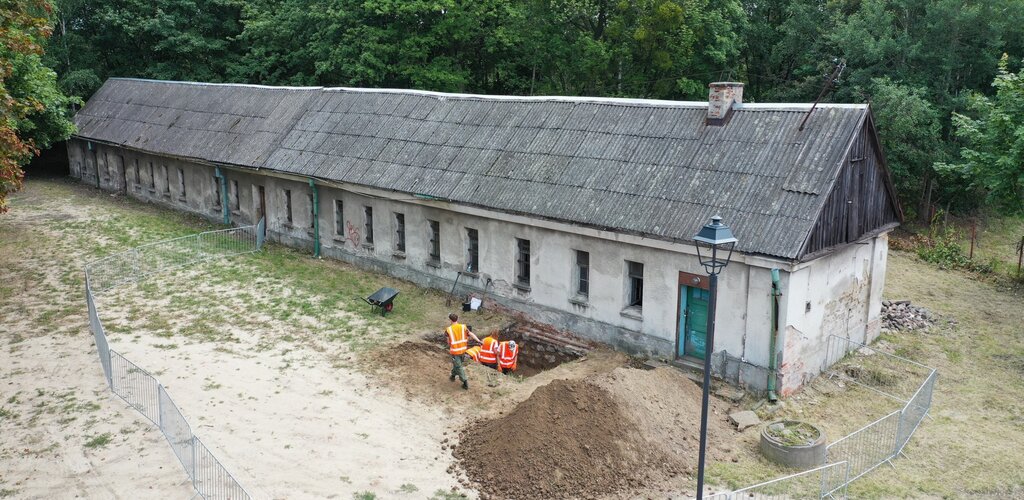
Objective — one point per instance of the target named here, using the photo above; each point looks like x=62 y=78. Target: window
x=582 y=273
x=339 y=218
x=523 y=261
x=635 y=284
x=138 y=173
x=181 y=183
x=435 y=241
x=216 y=191
x=312 y=211
x=167 y=180
x=152 y=177
x=288 y=205
x=399 y=232
x=368 y=219
x=473 y=251
x=236 y=204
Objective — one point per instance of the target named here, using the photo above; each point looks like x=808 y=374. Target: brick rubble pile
x=898 y=315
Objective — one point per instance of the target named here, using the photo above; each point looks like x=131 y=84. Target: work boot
x=451 y=378
x=465 y=384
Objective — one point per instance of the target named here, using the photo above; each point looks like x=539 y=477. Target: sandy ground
x=62 y=433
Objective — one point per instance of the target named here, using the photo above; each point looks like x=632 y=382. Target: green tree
x=33 y=112
x=993 y=142
x=911 y=136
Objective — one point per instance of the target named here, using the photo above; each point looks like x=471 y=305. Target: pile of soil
x=665 y=404
x=569 y=439
x=619 y=432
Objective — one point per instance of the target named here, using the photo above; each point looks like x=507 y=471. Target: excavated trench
x=539 y=348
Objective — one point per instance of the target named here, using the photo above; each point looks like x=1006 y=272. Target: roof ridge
x=622 y=101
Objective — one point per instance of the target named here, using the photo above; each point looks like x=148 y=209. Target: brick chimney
x=721 y=97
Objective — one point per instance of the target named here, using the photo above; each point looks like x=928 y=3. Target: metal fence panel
x=827 y=481
x=211 y=479
x=100 y=335
x=868 y=447
x=134 y=385
x=915 y=411
x=177 y=431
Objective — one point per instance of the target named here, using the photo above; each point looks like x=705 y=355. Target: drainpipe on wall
x=223 y=186
x=316 y=218
x=776 y=293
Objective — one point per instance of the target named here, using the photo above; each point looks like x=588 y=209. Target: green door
x=693 y=322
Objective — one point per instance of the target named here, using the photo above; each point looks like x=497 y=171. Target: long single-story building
x=578 y=211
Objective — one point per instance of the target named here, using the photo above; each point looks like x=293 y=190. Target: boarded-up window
x=181 y=183
x=216 y=192
x=235 y=203
x=312 y=211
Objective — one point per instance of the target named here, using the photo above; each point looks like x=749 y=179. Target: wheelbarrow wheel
x=389 y=306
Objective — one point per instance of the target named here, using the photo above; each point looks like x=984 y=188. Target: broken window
x=339 y=218
x=288 y=205
x=216 y=191
x=582 y=273
x=399 y=232
x=181 y=183
x=368 y=220
x=473 y=251
x=523 y=261
x=167 y=180
x=435 y=241
x=138 y=173
x=635 y=284
x=152 y=177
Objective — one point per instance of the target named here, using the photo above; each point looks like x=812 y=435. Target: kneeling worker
x=488 y=354
x=457 y=345
x=508 y=356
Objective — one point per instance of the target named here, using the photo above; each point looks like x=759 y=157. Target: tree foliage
x=33 y=112
x=992 y=134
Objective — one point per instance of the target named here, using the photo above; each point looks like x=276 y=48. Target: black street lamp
x=712 y=240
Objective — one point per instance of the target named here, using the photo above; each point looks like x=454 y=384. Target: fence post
x=160 y=408
x=195 y=475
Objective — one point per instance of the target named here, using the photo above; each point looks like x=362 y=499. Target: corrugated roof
x=651 y=168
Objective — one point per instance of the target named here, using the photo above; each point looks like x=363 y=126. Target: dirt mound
x=665 y=405
x=569 y=439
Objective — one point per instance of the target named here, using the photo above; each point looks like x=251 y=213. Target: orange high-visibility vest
x=507 y=356
x=473 y=353
x=489 y=351
x=457 y=342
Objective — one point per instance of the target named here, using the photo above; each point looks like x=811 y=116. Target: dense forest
x=943 y=76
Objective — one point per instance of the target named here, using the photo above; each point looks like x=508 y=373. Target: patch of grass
x=364 y=495
x=448 y=495
x=211 y=385
x=6 y=414
x=6 y=492
x=166 y=346
x=99 y=441
x=408 y=488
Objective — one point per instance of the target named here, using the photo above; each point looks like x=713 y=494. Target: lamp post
x=712 y=240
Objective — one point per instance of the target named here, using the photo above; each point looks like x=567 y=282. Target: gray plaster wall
x=838 y=294
x=840 y=284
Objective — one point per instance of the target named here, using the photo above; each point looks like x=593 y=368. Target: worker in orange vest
x=508 y=356
x=488 y=353
x=458 y=342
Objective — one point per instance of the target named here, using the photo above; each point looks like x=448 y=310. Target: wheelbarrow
x=384 y=299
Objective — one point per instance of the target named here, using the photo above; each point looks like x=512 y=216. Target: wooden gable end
x=862 y=202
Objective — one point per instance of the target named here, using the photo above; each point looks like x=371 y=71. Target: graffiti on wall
x=352 y=233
